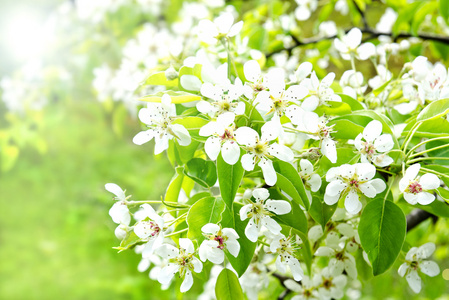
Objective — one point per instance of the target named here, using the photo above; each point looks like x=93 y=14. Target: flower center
x=354 y=183
x=228 y=134
x=368 y=149
x=327 y=283
x=220 y=239
x=414 y=187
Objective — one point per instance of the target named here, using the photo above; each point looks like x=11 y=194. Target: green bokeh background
x=56 y=236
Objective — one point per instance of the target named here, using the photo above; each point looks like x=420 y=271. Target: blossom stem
x=390 y=183
x=177 y=232
x=434 y=172
x=385 y=171
x=409 y=162
x=263 y=243
x=409 y=136
x=429 y=150
x=177 y=219
x=427 y=141
x=145 y=202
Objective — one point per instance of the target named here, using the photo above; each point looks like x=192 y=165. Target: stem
x=177 y=219
x=177 y=232
x=263 y=243
x=145 y=202
x=435 y=172
x=429 y=150
x=385 y=171
x=409 y=162
x=389 y=186
x=426 y=141
x=410 y=136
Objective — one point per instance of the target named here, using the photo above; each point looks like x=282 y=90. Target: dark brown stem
x=418 y=216
x=372 y=35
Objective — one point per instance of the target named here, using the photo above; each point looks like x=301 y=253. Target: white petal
x=324 y=251
x=224 y=22
x=244 y=211
x=235 y=29
x=384 y=143
x=329 y=150
x=280 y=265
x=403 y=269
x=335 y=187
x=251 y=69
x=143 y=137
x=270 y=131
x=368 y=190
x=425 y=198
x=190 y=82
x=252 y=230
x=248 y=162
x=210 y=228
x=352 y=203
x=261 y=194
x=119 y=213
x=282 y=152
x=116 y=190
x=414 y=281
x=271 y=225
x=365 y=171
x=279 y=207
x=429 y=181
x=246 y=136
x=372 y=130
x=429 y=268
x=233 y=247
x=353 y=38
x=269 y=174
x=412 y=171
x=314 y=182
x=310 y=103
x=187 y=283
x=303 y=70
x=187 y=245
x=212 y=147
x=366 y=50
x=230 y=152
x=378 y=184
x=411 y=198
x=167 y=273
x=204 y=106
x=306 y=166
x=426 y=250
x=182 y=134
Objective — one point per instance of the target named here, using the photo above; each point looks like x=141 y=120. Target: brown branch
x=417 y=216
x=372 y=35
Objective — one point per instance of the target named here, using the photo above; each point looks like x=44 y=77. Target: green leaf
x=353 y=103
x=205 y=210
x=175 y=186
x=291 y=183
x=231 y=219
x=9 y=155
x=176 y=97
x=345 y=129
x=130 y=240
x=159 y=78
x=228 y=286
x=334 y=108
x=405 y=15
x=204 y=172
x=434 y=110
x=438 y=208
x=321 y=212
x=382 y=231
x=421 y=14
x=444 y=10
x=229 y=178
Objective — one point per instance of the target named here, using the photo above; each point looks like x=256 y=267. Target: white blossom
x=348 y=181
x=349 y=45
x=373 y=145
x=222 y=27
x=150 y=228
x=217 y=240
x=305 y=9
x=260 y=151
x=319 y=93
x=330 y=283
x=221 y=138
x=119 y=212
x=416 y=188
x=305 y=290
x=180 y=260
x=415 y=261
x=159 y=118
x=260 y=213
x=285 y=249
x=311 y=180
